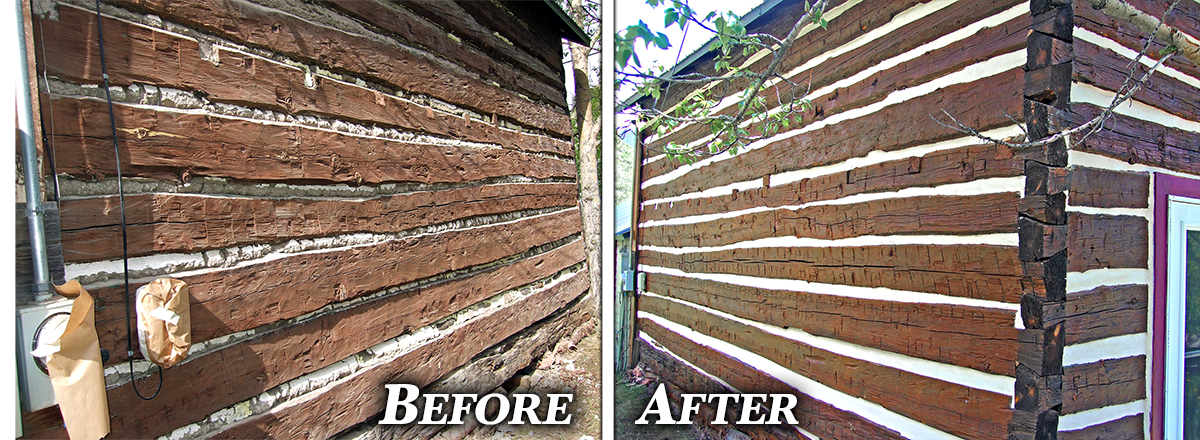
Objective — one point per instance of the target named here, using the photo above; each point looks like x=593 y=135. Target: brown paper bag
x=76 y=372
x=164 y=321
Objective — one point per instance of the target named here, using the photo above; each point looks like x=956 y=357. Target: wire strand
x=112 y=120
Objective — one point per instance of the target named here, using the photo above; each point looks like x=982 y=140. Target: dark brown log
x=1184 y=17
x=1134 y=141
x=242 y=298
x=1056 y=19
x=982 y=214
x=1044 y=50
x=1107 y=70
x=1104 y=383
x=1041 y=350
x=892 y=128
x=1105 y=312
x=327 y=413
x=1047 y=279
x=1035 y=393
x=815 y=416
x=143 y=55
x=1125 y=428
x=1097 y=241
x=1039 y=313
x=982 y=272
x=953 y=408
x=191 y=223
x=1109 y=189
x=1044 y=180
x=1034 y=426
x=499 y=18
x=176 y=146
x=510 y=67
x=259 y=26
x=985 y=44
x=1039 y=240
x=944 y=167
x=987 y=340
x=1049 y=85
x=1045 y=209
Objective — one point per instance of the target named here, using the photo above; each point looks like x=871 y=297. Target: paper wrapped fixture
x=164 y=321
x=76 y=372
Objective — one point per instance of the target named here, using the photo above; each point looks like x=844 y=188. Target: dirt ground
x=574 y=369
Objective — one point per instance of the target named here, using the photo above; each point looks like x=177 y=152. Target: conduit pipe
x=34 y=211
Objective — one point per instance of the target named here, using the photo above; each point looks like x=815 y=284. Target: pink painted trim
x=1164 y=185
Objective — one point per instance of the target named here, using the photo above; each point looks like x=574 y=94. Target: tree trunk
x=586 y=153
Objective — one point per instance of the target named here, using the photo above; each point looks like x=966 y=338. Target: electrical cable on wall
x=124 y=228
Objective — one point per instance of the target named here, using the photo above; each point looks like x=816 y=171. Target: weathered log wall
x=356 y=192
x=867 y=260
x=1100 y=209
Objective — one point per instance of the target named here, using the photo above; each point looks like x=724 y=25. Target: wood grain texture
x=1125 y=428
x=259 y=26
x=936 y=215
x=1134 y=141
x=895 y=127
x=327 y=413
x=1184 y=17
x=1107 y=70
x=1096 y=241
x=981 y=272
x=1104 y=383
x=940 y=168
x=182 y=223
x=814 y=415
x=1101 y=188
x=953 y=408
x=1105 y=312
x=985 y=339
x=245 y=297
x=174 y=146
x=138 y=54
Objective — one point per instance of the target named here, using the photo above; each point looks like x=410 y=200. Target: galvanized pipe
x=34 y=212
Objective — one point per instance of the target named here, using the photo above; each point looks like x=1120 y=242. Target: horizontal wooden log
x=143 y=55
x=936 y=215
x=1104 y=383
x=1037 y=312
x=981 y=272
x=1035 y=394
x=985 y=339
x=489 y=58
x=1097 y=241
x=160 y=223
x=1050 y=209
x=1133 y=140
x=940 y=168
x=953 y=408
x=175 y=146
x=1047 y=279
x=346 y=403
x=1043 y=180
x=1107 y=70
x=895 y=127
x=1033 y=426
x=1125 y=428
x=427 y=23
x=245 y=297
x=1044 y=50
x=813 y=415
x=531 y=39
x=1094 y=187
x=1105 y=312
x=341 y=51
x=983 y=45
x=193 y=390
x=1184 y=17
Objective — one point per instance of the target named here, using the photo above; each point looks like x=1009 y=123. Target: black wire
x=112 y=120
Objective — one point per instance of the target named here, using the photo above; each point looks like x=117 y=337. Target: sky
x=628 y=12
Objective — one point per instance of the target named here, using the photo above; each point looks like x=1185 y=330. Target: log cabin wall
x=356 y=192
x=867 y=260
x=1100 y=201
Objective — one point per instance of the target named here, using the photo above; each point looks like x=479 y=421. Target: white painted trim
x=983 y=69
x=1089 y=94
x=972 y=188
x=1145 y=213
x=1009 y=239
x=1085 y=281
x=1116 y=347
x=1092 y=417
x=657 y=346
x=868 y=410
x=967 y=377
x=1106 y=43
x=839 y=290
